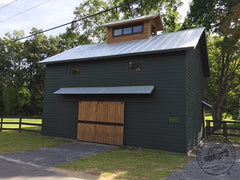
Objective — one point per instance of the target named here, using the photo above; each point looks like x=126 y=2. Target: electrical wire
x=6 y=5
x=85 y=17
x=24 y=11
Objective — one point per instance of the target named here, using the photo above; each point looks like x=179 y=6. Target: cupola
x=141 y=27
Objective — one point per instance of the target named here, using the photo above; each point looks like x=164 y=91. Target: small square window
x=117 y=32
x=74 y=70
x=127 y=30
x=138 y=29
x=134 y=67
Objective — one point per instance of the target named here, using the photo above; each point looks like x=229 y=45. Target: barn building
x=141 y=88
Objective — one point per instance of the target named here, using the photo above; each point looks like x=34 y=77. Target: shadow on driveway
x=48 y=157
x=35 y=164
x=192 y=171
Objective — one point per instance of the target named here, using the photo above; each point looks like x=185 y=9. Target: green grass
x=232 y=139
x=126 y=163
x=12 y=141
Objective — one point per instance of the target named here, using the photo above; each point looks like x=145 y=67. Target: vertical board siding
x=146 y=116
x=109 y=134
x=88 y=111
x=101 y=111
x=86 y=132
x=100 y=133
x=110 y=112
x=107 y=110
x=194 y=96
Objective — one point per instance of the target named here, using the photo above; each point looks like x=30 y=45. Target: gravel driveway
x=48 y=157
x=193 y=171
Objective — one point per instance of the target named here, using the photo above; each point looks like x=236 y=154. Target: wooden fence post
x=20 y=124
x=1 y=124
x=203 y=122
x=224 y=129
x=208 y=128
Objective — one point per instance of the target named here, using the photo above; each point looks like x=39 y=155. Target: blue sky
x=48 y=14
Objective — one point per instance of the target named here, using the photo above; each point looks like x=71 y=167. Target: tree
x=14 y=71
x=21 y=75
x=91 y=27
x=222 y=90
x=222 y=21
x=72 y=38
x=36 y=49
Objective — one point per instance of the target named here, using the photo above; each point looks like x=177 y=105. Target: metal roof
x=106 y=90
x=161 y=43
x=206 y=104
x=131 y=20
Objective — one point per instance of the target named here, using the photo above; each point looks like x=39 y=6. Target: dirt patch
x=77 y=174
x=89 y=174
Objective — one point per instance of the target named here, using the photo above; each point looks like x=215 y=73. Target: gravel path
x=49 y=157
x=193 y=171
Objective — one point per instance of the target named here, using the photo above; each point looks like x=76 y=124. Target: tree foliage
x=91 y=27
x=222 y=21
x=222 y=89
x=21 y=75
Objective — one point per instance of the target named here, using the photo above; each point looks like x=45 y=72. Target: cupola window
x=135 y=29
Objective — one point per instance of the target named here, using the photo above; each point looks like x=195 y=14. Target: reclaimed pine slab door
x=101 y=122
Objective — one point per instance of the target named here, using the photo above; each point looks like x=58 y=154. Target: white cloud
x=48 y=15
x=184 y=9
x=5 y=1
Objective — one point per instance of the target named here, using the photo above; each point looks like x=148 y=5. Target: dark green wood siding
x=146 y=116
x=194 y=96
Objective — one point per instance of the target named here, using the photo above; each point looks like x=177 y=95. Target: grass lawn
x=130 y=163
x=13 y=141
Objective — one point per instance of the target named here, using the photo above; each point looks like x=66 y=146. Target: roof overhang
x=105 y=90
x=184 y=49
x=133 y=20
x=206 y=104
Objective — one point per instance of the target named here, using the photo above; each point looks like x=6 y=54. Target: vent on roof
x=141 y=27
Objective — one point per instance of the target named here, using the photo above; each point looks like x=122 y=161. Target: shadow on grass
x=133 y=163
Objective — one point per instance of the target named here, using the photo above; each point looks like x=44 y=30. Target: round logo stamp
x=215 y=157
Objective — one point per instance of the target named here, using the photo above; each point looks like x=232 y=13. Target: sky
x=42 y=14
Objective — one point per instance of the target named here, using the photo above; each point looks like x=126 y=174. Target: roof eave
x=117 y=56
x=111 y=24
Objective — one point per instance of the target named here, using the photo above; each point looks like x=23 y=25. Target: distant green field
x=30 y=127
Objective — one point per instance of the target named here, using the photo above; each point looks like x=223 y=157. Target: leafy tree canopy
x=91 y=27
x=222 y=20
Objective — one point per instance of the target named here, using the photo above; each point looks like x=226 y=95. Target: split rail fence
x=234 y=126
x=19 y=122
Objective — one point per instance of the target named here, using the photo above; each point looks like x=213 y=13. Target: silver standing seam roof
x=174 y=41
x=106 y=90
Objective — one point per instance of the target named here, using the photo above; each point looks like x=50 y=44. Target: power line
x=24 y=11
x=6 y=5
x=85 y=17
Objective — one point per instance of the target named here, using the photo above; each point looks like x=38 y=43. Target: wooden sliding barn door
x=101 y=122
